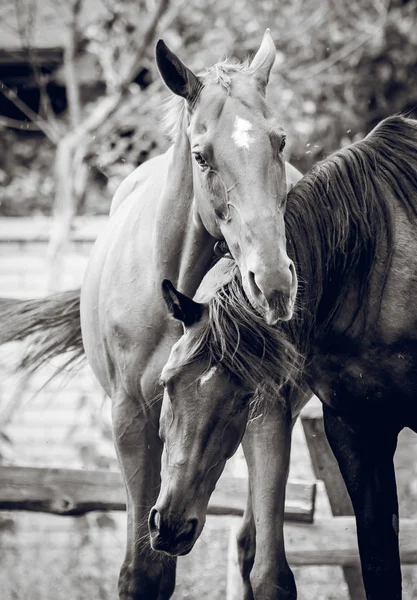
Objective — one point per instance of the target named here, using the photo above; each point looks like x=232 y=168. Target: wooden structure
x=73 y=492
x=323 y=541
x=327 y=540
x=309 y=541
x=326 y=468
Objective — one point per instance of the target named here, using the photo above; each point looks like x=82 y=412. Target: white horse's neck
x=183 y=247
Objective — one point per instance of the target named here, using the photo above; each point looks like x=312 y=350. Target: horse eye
x=163 y=382
x=221 y=213
x=282 y=146
x=200 y=161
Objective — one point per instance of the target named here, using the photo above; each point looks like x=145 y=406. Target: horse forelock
x=232 y=334
x=340 y=222
x=221 y=74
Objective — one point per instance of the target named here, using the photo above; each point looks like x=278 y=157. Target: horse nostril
x=254 y=288
x=293 y=274
x=154 y=520
x=188 y=529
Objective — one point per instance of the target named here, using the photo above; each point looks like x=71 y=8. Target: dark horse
x=351 y=225
x=223 y=178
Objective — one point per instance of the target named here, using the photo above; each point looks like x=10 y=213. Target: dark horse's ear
x=181 y=306
x=179 y=78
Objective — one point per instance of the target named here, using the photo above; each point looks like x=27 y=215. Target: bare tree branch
x=73 y=147
x=367 y=34
x=43 y=125
x=19 y=125
x=71 y=81
x=170 y=15
x=26 y=21
x=341 y=54
x=146 y=42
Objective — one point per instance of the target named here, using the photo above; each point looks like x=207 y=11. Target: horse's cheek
x=166 y=419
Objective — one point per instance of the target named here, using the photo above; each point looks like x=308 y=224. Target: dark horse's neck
x=340 y=227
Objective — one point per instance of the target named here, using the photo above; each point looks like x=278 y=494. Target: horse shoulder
x=398 y=317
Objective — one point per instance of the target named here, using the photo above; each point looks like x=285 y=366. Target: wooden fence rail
x=76 y=492
x=326 y=541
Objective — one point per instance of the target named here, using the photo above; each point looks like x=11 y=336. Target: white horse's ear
x=178 y=78
x=263 y=61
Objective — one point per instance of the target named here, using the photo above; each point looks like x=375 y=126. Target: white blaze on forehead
x=240 y=135
x=207 y=376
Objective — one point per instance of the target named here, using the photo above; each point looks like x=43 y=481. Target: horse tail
x=52 y=324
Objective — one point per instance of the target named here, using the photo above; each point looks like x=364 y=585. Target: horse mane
x=232 y=334
x=340 y=224
x=222 y=74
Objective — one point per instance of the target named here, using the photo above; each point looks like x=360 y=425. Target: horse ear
x=179 y=78
x=263 y=61
x=181 y=306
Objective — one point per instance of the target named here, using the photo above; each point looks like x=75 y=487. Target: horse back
x=143 y=176
x=122 y=313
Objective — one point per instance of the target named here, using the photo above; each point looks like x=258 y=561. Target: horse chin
x=177 y=549
x=271 y=317
x=279 y=311
x=187 y=550
x=279 y=308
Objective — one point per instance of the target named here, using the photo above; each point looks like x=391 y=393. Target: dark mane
x=235 y=336
x=340 y=223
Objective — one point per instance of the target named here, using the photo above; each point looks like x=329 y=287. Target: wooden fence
x=309 y=541
x=72 y=492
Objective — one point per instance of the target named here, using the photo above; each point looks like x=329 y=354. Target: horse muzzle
x=172 y=534
x=274 y=297
x=279 y=308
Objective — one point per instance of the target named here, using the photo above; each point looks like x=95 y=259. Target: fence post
x=234 y=588
x=326 y=468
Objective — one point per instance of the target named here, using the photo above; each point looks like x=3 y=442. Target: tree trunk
x=71 y=152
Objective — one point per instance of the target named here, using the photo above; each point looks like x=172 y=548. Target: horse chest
x=360 y=381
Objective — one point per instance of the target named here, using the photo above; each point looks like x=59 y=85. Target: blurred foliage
x=340 y=68
x=26 y=176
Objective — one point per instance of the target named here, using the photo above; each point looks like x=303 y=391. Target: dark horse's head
x=226 y=355
x=239 y=180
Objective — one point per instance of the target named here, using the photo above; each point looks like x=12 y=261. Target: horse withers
x=351 y=226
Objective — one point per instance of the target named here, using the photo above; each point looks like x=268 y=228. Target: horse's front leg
x=267 y=444
x=365 y=455
x=145 y=574
x=246 y=548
